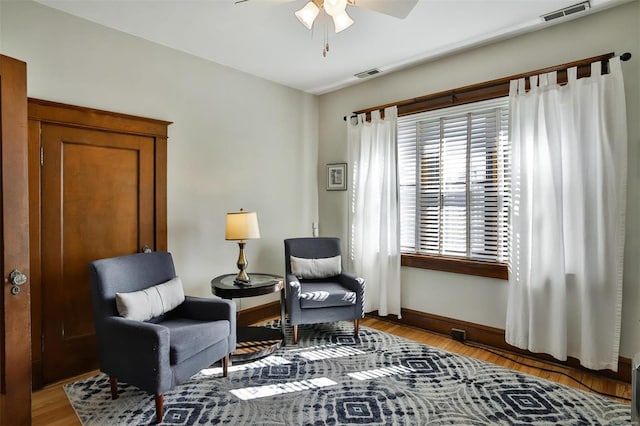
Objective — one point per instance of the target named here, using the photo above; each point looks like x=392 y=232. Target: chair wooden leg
x=159 y=407
x=225 y=365
x=113 y=382
x=356 y=328
x=295 y=334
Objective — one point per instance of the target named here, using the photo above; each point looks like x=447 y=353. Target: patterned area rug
x=329 y=378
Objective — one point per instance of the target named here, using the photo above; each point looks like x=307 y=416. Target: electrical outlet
x=459 y=335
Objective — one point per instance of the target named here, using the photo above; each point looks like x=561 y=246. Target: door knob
x=16 y=279
x=146 y=249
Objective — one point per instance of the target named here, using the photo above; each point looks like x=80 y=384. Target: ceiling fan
x=337 y=10
x=397 y=8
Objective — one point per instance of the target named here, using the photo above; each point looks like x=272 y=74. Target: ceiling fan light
x=307 y=14
x=342 y=21
x=334 y=7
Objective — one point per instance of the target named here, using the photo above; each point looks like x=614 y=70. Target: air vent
x=570 y=10
x=367 y=73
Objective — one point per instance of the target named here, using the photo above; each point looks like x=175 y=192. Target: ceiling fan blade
x=398 y=8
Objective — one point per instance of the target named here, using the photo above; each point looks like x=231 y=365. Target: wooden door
x=15 y=322
x=97 y=202
x=97 y=188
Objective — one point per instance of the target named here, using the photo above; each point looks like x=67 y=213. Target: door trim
x=43 y=111
x=56 y=112
x=15 y=326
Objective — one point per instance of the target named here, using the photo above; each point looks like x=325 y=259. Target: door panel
x=15 y=322
x=97 y=202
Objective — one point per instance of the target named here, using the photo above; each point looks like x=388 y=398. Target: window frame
x=469 y=94
x=456 y=265
x=462 y=263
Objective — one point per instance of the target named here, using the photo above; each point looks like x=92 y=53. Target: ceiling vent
x=569 y=10
x=367 y=73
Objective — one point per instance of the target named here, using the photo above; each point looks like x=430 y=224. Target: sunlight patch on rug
x=309 y=348
x=265 y=362
x=254 y=392
x=380 y=372
x=335 y=352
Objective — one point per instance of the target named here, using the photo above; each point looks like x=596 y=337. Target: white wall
x=1 y=27
x=236 y=140
x=475 y=299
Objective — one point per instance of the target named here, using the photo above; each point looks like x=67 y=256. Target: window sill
x=460 y=266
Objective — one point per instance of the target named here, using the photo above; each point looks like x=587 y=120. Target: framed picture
x=337 y=177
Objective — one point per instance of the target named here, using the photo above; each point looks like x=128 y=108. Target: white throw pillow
x=316 y=268
x=153 y=301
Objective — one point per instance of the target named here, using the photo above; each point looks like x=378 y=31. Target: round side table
x=253 y=342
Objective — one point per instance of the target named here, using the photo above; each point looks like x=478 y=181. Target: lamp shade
x=308 y=14
x=242 y=226
x=342 y=21
x=334 y=7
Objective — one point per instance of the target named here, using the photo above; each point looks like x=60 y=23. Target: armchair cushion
x=151 y=302
x=187 y=337
x=316 y=268
x=325 y=295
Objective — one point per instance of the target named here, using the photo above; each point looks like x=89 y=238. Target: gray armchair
x=162 y=352
x=317 y=289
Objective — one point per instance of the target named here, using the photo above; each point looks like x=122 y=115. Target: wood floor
x=50 y=405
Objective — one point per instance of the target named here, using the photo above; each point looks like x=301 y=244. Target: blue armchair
x=317 y=289
x=159 y=353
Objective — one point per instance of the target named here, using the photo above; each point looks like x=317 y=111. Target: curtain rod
x=413 y=105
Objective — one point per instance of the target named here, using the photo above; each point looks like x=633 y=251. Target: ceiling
x=263 y=37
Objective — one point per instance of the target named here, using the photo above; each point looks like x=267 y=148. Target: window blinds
x=454 y=181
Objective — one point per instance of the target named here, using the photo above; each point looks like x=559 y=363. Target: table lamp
x=242 y=226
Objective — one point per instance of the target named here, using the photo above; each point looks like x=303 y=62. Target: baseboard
x=258 y=313
x=485 y=335
x=495 y=337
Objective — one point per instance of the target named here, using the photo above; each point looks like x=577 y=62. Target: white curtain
x=374 y=240
x=567 y=220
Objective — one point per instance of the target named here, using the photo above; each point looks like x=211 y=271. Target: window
x=454 y=184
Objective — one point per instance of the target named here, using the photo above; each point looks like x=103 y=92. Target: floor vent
x=569 y=10
x=367 y=73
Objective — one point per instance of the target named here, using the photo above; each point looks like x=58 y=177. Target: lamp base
x=242 y=277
